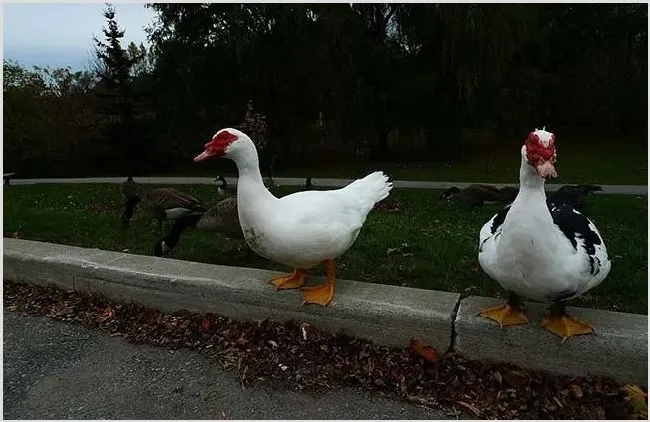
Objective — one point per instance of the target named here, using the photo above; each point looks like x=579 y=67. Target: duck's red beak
x=208 y=153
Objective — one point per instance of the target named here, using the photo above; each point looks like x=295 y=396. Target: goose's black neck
x=172 y=238
x=128 y=209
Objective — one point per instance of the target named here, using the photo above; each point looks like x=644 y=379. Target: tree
x=330 y=79
x=220 y=56
x=467 y=50
x=141 y=58
x=49 y=121
x=378 y=23
x=115 y=88
x=370 y=69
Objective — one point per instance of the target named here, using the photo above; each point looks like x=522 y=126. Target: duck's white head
x=539 y=153
x=227 y=143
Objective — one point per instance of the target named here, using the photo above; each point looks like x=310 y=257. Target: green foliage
x=372 y=69
x=48 y=117
x=491 y=165
x=430 y=244
x=389 y=82
x=141 y=58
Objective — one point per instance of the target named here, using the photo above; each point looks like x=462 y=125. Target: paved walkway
x=324 y=182
x=55 y=370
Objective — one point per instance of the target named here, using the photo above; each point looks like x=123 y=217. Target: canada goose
x=574 y=195
x=131 y=192
x=163 y=204
x=222 y=187
x=508 y=194
x=224 y=190
x=222 y=218
x=449 y=193
x=130 y=189
x=475 y=195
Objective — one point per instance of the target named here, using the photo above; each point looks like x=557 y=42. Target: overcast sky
x=60 y=34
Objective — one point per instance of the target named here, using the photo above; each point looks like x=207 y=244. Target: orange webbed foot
x=566 y=326
x=295 y=280
x=505 y=315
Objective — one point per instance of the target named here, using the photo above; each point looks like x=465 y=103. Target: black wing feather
x=574 y=226
x=499 y=218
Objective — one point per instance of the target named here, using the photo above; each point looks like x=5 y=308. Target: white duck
x=541 y=250
x=302 y=229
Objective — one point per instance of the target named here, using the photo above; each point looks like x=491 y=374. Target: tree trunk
x=380 y=146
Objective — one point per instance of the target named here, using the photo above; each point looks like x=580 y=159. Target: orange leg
x=295 y=280
x=323 y=294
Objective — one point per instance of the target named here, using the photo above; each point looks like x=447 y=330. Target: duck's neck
x=250 y=182
x=531 y=184
x=528 y=226
x=530 y=203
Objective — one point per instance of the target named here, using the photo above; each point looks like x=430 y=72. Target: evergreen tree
x=113 y=70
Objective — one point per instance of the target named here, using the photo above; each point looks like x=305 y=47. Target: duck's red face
x=541 y=154
x=217 y=146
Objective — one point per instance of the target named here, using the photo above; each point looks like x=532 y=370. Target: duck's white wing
x=487 y=244
x=491 y=230
x=349 y=205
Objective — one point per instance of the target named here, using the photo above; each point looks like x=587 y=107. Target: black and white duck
x=541 y=250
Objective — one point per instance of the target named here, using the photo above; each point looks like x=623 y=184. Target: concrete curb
x=388 y=315
x=619 y=350
x=320 y=182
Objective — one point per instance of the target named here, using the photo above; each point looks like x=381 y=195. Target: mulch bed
x=300 y=356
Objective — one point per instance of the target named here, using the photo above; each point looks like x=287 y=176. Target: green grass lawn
x=429 y=244
x=594 y=163
x=577 y=163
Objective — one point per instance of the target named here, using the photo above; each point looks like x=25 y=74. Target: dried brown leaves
x=303 y=357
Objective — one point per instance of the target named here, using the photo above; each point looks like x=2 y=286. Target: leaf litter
x=302 y=357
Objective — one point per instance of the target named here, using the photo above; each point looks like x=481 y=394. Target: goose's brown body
x=221 y=218
x=161 y=203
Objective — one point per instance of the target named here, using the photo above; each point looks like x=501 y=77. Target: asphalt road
x=322 y=182
x=54 y=370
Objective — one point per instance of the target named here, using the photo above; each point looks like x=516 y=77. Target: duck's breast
x=301 y=231
x=542 y=258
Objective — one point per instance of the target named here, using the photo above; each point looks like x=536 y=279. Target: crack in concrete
x=454 y=334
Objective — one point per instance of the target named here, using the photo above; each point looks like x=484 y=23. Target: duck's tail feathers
x=371 y=189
